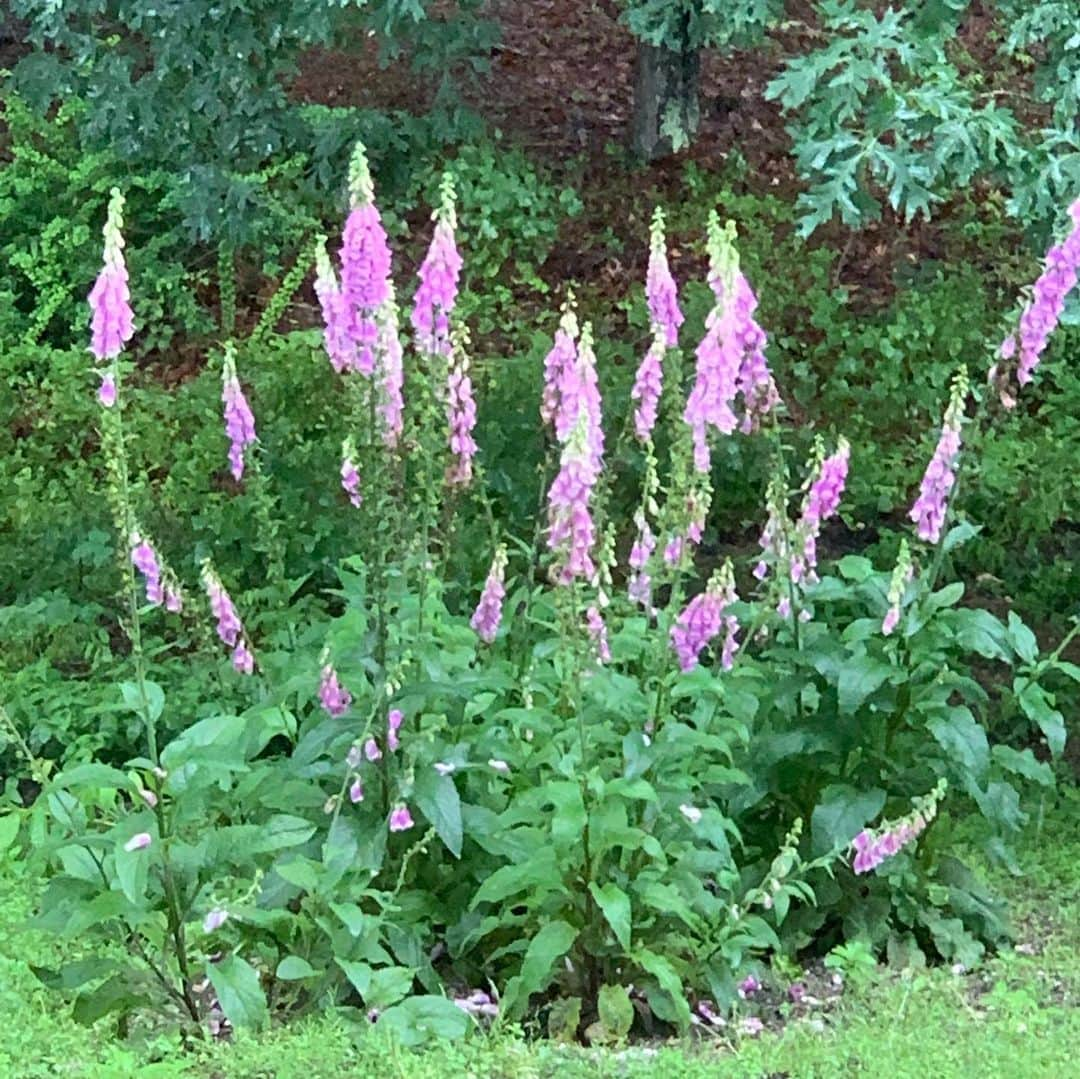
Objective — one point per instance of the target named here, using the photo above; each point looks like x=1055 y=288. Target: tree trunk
x=666 y=107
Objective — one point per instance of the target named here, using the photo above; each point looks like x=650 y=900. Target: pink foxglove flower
x=460 y=415
x=149 y=797
x=372 y=751
x=390 y=373
x=354 y=756
x=561 y=358
x=661 y=291
x=872 y=847
x=648 y=384
x=139 y=841
x=488 y=614
x=822 y=502
x=931 y=506
x=703 y=619
x=775 y=542
x=107 y=390
x=477 y=1004
x=333 y=696
x=239 y=422
x=350 y=475
x=748 y=986
x=394 y=719
x=1041 y=315
x=356 y=791
x=111 y=320
x=400 y=818
x=435 y=298
x=229 y=627
x=571 y=532
x=365 y=264
x=145 y=560
x=337 y=319
x=639 y=586
x=214 y=920
x=579 y=393
x=597 y=630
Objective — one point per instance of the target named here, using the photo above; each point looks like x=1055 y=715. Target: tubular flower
x=145 y=560
x=570 y=525
x=350 y=475
x=439 y=273
x=239 y=422
x=874 y=847
x=488 y=614
x=822 y=502
x=597 y=630
x=394 y=719
x=579 y=394
x=356 y=790
x=390 y=373
x=229 y=627
x=648 y=384
x=365 y=264
x=775 y=542
x=111 y=320
x=460 y=414
x=930 y=507
x=661 y=292
x=1040 y=317
x=639 y=587
x=902 y=573
x=333 y=696
x=561 y=358
x=704 y=618
x=682 y=544
x=337 y=321
x=715 y=384
x=400 y=818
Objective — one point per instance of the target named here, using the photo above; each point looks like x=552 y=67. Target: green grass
x=1017 y=1016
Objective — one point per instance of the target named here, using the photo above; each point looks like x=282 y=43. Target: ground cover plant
x=587 y=774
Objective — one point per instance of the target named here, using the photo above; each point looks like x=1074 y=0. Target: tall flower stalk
x=930 y=508
x=111 y=320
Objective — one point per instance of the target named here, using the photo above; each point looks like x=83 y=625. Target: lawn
x=1015 y=1016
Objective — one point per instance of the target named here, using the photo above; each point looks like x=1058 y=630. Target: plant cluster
x=599 y=784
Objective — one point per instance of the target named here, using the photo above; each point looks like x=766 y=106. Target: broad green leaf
x=388 y=985
x=282 y=831
x=294 y=968
x=239 y=992
x=668 y=980
x=615 y=905
x=616 y=1011
x=9 y=829
x=437 y=798
x=94 y=775
x=74 y=975
x=859 y=678
x=1038 y=706
x=964 y=741
x=1024 y=764
x=564 y=1018
x=1022 y=639
x=841 y=814
x=548 y=946
x=154 y=701
x=855 y=567
x=353 y=918
x=132 y=869
x=960 y=534
x=540 y=871
x=359 y=974
x=113 y=995
x=424 y=1019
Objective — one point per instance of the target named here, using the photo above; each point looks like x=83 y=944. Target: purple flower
x=797 y=992
x=139 y=841
x=111 y=320
x=174 y=599
x=242 y=660
x=229 y=627
x=822 y=502
x=350 y=476
x=661 y=292
x=391 y=374
x=354 y=756
x=597 y=631
x=639 y=585
x=648 y=384
x=930 y=507
x=394 y=719
x=149 y=797
x=333 y=696
x=715 y=384
x=107 y=390
x=400 y=818
x=561 y=358
x=435 y=298
x=748 y=986
x=570 y=525
x=488 y=614
x=356 y=791
x=702 y=620
x=239 y=422
x=889 y=622
x=460 y=417
x=214 y=920
x=145 y=560
x=337 y=319
x=365 y=273
x=371 y=750
x=478 y=1003
x=752 y=1026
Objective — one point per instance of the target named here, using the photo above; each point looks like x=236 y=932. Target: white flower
x=443 y=768
x=691 y=813
x=499 y=766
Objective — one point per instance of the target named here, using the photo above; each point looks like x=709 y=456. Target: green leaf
x=425 y=1018
x=616 y=1011
x=293 y=968
x=841 y=814
x=564 y=1018
x=549 y=945
x=354 y=919
x=388 y=985
x=980 y=631
x=859 y=677
x=615 y=905
x=1038 y=706
x=132 y=869
x=94 y=775
x=437 y=798
x=964 y=742
x=1022 y=639
x=9 y=829
x=1024 y=764
x=239 y=992
x=74 y=975
x=154 y=703
x=540 y=871
x=359 y=974
x=668 y=979
x=281 y=832
x=114 y=995
x=959 y=534
x=949 y=596
x=855 y=567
